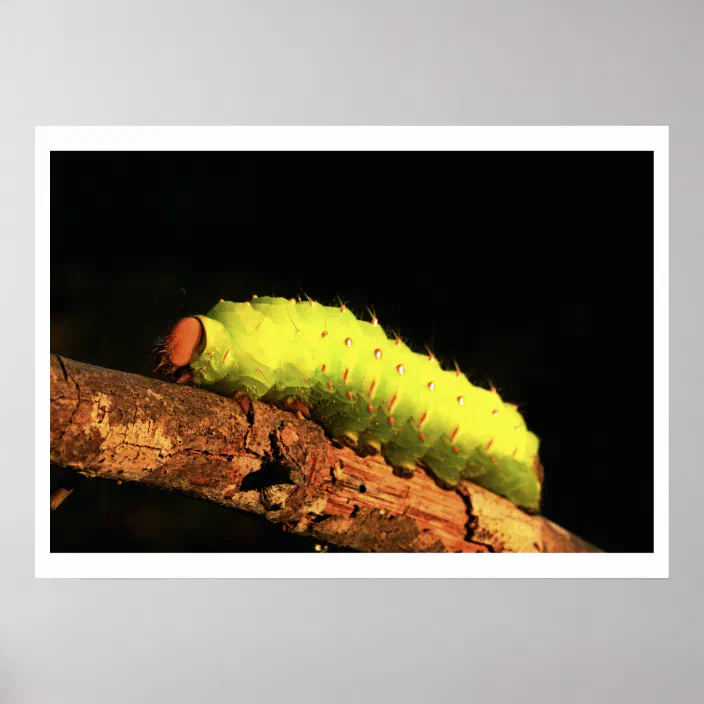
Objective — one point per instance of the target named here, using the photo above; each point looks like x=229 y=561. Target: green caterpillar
x=364 y=389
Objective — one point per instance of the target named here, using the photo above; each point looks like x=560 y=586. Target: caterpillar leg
x=295 y=405
x=405 y=470
x=347 y=439
x=185 y=376
x=368 y=444
x=244 y=401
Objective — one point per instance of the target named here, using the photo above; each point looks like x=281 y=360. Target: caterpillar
x=364 y=388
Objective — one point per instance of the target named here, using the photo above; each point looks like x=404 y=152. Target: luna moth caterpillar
x=366 y=389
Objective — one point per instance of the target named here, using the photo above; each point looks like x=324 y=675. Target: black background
x=532 y=270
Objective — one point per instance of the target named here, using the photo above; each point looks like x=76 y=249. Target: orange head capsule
x=183 y=340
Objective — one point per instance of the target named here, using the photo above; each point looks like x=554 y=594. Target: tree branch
x=268 y=461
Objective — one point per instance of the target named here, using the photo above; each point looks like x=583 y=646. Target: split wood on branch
x=268 y=461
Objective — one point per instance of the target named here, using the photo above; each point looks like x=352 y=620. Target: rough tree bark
x=268 y=461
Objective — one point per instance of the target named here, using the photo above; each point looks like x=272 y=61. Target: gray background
x=349 y=63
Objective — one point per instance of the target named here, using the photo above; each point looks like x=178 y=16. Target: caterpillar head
x=187 y=342
x=197 y=348
x=179 y=348
x=183 y=341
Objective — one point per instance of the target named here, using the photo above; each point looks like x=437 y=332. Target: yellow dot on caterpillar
x=422 y=436
x=494 y=413
x=370 y=408
x=391 y=421
x=254 y=295
x=348 y=342
x=311 y=303
x=324 y=333
x=291 y=300
x=377 y=353
x=222 y=300
x=431 y=385
x=350 y=394
x=400 y=369
x=375 y=321
x=456 y=449
x=247 y=303
x=329 y=384
x=460 y=400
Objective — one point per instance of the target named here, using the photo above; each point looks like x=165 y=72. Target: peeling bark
x=261 y=459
